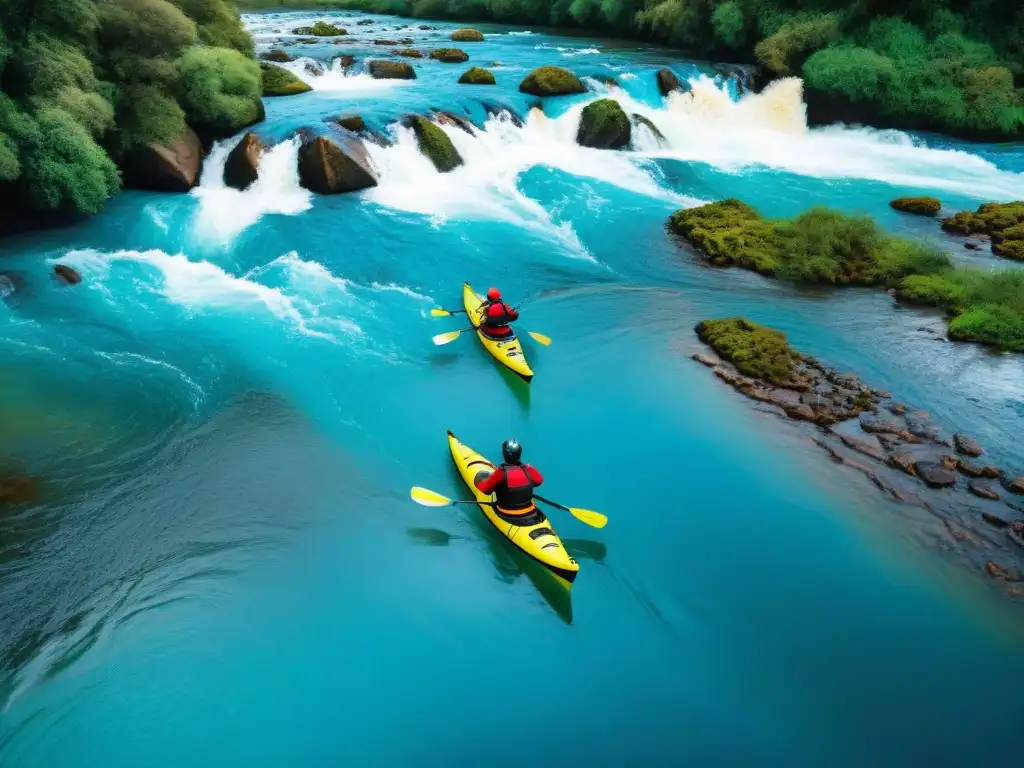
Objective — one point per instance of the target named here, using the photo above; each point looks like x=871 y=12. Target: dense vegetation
x=824 y=246
x=86 y=82
x=755 y=350
x=1002 y=222
x=950 y=65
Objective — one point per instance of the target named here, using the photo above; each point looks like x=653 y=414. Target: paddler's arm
x=492 y=481
x=535 y=476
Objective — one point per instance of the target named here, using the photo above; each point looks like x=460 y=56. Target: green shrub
x=221 y=87
x=278 y=81
x=989 y=324
x=729 y=24
x=859 y=74
x=786 y=50
x=755 y=350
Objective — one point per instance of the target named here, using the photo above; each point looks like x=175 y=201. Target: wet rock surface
x=908 y=457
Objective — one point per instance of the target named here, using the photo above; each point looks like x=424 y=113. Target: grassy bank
x=942 y=65
x=822 y=246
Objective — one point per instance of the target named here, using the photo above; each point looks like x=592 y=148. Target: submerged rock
x=320 y=29
x=973 y=469
x=18 y=489
x=385 y=42
x=449 y=55
x=1001 y=573
x=435 y=144
x=982 y=490
x=934 y=474
x=242 y=166
x=409 y=53
x=668 y=82
x=68 y=274
x=327 y=169
x=165 y=168
x=967 y=445
x=603 y=125
x=639 y=120
x=354 y=123
x=467 y=36
x=314 y=68
x=392 y=70
x=551 y=81
x=1016 y=485
x=920 y=206
x=477 y=76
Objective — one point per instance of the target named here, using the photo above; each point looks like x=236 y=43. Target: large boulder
x=351 y=122
x=603 y=125
x=327 y=169
x=68 y=274
x=551 y=81
x=668 y=82
x=277 y=55
x=242 y=166
x=392 y=70
x=278 y=81
x=173 y=167
x=477 y=76
x=967 y=445
x=449 y=55
x=435 y=144
x=467 y=36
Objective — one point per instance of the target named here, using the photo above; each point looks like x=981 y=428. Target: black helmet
x=511 y=450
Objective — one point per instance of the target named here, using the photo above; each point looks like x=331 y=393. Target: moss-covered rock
x=920 y=206
x=409 y=53
x=392 y=70
x=477 y=76
x=603 y=125
x=278 y=81
x=449 y=55
x=385 y=42
x=1003 y=222
x=320 y=29
x=755 y=350
x=277 y=55
x=435 y=144
x=551 y=81
x=467 y=36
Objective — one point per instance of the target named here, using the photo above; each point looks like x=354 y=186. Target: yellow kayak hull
x=539 y=541
x=508 y=352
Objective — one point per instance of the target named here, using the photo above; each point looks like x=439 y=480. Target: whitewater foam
x=336 y=79
x=225 y=212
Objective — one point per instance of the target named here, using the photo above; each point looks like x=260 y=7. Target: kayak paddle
x=540 y=338
x=443 y=338
x=430 y=498
x=438 y=312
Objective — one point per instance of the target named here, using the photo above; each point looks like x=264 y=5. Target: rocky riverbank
x=977 y=506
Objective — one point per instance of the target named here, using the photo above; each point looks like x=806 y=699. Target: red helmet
x=493 y=294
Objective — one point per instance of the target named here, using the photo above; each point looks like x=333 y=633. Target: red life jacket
x=515 y=492
x=497 y=316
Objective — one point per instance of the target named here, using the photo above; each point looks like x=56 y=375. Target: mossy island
x=477 y=76
x=754 y=349
x=919 y=206
x=320 y=29
x=278 y=81
x=1002 y=222
x=551 y=81
x=822 y=246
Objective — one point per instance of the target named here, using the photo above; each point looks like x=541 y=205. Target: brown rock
x=889 y=442
x=392 y=70
x=18 y=490
x=862 y=446
x=1016 y=485
x=801 y=412
x=385 y=42
x=902 y=462
x=973 y=469
x=668 y=82
x=444 y=117
x=970 y=245
x=948 y=462
x=897 y=408
x=934 y=474
x=995 y=520
x=1016 y=533
x=67 y=274
x=354 y=123
x=982 y=490
x=171 y=168
x=1000 y=573
x=703 y=359
x=242 y=166
x=347 y=60
x=409 y=53
x=277 y=55
x=967 y=445
x=326 y=168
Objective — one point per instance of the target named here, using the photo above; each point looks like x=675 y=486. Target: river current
x=224 y=567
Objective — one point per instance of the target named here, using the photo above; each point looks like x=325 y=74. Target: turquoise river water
x=224 y=567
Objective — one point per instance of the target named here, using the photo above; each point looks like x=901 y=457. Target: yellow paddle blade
x=438 y=312
x=444 y=338
x=588 y=516
x=428 y=498
x=540 y=338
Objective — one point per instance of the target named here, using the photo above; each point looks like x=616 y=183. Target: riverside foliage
x=947 y=65
x=86 y=82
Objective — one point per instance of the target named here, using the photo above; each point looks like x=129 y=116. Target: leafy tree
x=221 y=87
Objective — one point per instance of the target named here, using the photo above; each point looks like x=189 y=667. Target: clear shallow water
x=225 y=569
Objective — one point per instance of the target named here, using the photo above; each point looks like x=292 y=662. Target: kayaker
x=512 y=482
x=497 y=315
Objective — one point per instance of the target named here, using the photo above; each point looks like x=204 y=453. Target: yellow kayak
x=508 y=352
x=537 y=539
